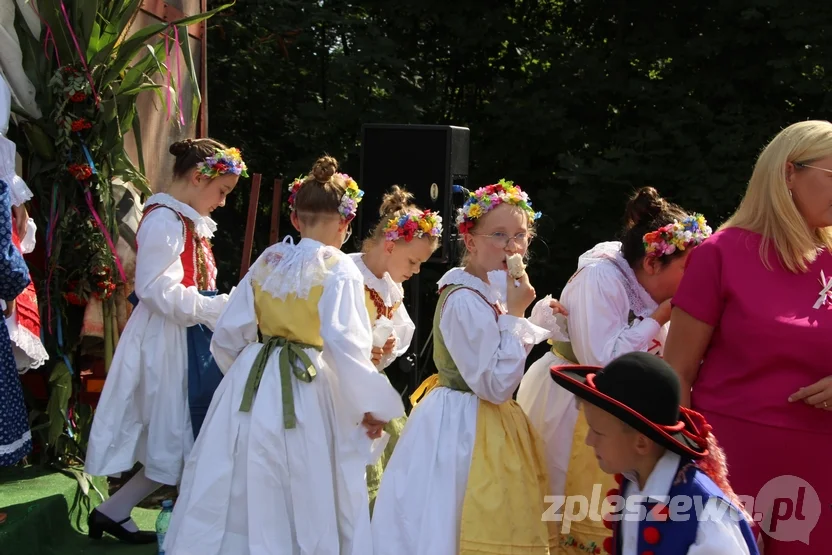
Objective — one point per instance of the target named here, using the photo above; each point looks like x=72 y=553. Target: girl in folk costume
x=468 y=474
x=280 y=464
x=618 y=302
x=15 y=436
x=146 y=412
x=404 y=238
x=23 y=319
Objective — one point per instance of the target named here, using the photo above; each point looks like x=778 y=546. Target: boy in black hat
x=674 y=497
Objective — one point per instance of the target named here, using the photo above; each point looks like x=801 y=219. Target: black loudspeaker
x=427 y=160
x=430 y=161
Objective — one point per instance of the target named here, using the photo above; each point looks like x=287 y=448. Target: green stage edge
x=46 y=514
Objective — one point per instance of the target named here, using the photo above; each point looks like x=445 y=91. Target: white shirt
x=719 y=534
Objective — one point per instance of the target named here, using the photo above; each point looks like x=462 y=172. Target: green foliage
x=579 y=102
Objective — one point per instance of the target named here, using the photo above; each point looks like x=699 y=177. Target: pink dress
x=768 y=342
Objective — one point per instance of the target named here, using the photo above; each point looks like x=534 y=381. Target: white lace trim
x=641 y=303
x=390 y=291
x=203 y=225
x=458 y=276
x=18 y=191
x=286 y=268
x=17 y=445
x=543 y=317
x=28 y=350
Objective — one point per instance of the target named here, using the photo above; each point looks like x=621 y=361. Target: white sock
x=122 y=502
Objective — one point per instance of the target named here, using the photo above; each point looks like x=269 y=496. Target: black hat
x=642 y=390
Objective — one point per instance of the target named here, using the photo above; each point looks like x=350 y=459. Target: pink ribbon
x=167 y=73
x=107 y=237
x=49 y=35
x=80 y=52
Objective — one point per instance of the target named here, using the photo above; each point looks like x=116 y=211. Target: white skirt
x=419 y=503
x=143 y=413
x=253 y=487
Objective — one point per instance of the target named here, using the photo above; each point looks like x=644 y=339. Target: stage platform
x=46 y=514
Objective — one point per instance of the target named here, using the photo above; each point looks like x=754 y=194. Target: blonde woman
x=750 y=334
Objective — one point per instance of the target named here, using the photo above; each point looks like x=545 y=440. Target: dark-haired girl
x=618 y=302
x=144 y=414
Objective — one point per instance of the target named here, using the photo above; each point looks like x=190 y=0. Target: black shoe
x=99 y=523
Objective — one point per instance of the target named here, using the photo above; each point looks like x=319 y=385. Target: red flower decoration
x=78 y=97
x=74 y=299
x=81 y=172
x=409 y=229
x=80 y=124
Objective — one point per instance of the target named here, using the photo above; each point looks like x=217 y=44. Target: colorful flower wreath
x=485 y=199
x=408 y=226
x=690 y=232
x=349 y=201
x=228 y=161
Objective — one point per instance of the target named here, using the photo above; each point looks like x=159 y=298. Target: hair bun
x=645 y=205
x=396 y=200
x=324 y=168
x=180 y=148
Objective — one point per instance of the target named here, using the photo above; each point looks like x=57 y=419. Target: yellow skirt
x=502 y=513
x=586 y=535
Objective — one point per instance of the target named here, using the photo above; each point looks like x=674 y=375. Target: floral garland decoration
x=227 y=161
x=679 y=235
x=408 y=226
x=485 y=199
x=349 y=201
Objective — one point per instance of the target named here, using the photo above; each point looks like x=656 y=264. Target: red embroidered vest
x=198 y=262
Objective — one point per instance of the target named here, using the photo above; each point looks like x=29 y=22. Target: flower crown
x=408 y=226
x=349 y=201
x=690 y=232
x=485 y=199
x=227 y=161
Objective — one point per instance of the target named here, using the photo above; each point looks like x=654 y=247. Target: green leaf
x=130 y=47
x=139 y=71
x=196 y=98
x=84 y=13
x=137 y=135
x=60 y=391
x=117 y=22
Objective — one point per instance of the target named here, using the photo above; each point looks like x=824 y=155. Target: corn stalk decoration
x=88 y=71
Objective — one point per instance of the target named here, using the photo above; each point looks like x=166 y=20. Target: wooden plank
x=248 y=243
x=277 y=198
x=165 y=12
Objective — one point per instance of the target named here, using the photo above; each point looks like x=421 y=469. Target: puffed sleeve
x=700 y=292
x=489 y=352
x=159 y=274
x=403 y=330
x=720 y=535
x=14 y=274
x=599 y=310
x=236 y=326
x=347 y=338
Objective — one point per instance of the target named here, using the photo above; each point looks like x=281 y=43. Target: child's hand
x=388 y=346
x=374 y=427
x=558 y=308
x=519 y=297
x=376 y=355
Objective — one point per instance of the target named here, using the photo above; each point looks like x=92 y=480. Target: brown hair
x=191 y=152
x=320 y=192
x=395 y=204
x=647 y=211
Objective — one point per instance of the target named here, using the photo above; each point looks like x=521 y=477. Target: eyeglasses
x=347 y=236
x=802 y=165
x=502 y=239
